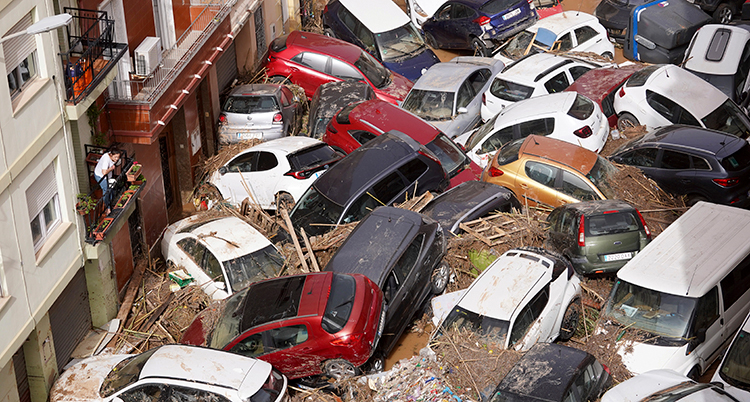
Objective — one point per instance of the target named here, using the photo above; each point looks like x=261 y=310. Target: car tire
x=430 y=40
x=376 y=364
x=329 y=32
x=279 y=79
x=694 y=198
x=608 y=55
x=570 y=320
x=440 y=277
x=723 y=14
x=339 y=369
x=627 y=120
x=284 y=200
x=479 y=48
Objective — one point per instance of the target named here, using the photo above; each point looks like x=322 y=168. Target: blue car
x=382 y=29
x=478 y=25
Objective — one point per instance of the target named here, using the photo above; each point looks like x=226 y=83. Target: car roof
x=287 y=145
x=688 y=90
x=717 y=54
x=458 y=202
x=230 y=237
x=376 y=241
x=208 y=366
x=256 y=89
x=559 y=22
x=377 y=15
x=339 y=184
x=696 y=139
x=532 y=68
x=446 y=76
x=386 y=116
x=544 y=372
x=596 y=84
x=324 y=44
x=598 y=206
x=573 y=156
x=528 y=109
x=500 y=289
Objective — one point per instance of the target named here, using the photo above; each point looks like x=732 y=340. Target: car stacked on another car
x=331 y=97
x=601 y=84
x=305 y=325
x=310 y=60
x=734 y=370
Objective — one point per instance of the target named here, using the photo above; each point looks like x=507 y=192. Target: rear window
x=612 y=223
x=639 y=77
x=509 y=152
x=343 y=116
x=447 y=152
x=493 y=7
x=738 y=160
x=340 y=303
x=279 y=43
x=510 y=91
x=311 y=157
x=727 y=118
x=250 y=104
x=582 y=108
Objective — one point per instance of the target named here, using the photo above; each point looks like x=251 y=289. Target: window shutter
x=41 y=191
x=19 y=48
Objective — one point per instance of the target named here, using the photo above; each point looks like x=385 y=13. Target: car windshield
x=519 y=45
x=735 y=369
x=737 y=161
x=402 y=42
x=430 y=105
x=509 y=152
x=448 y=153
x=491 y=329
x=681 y=391
x=612 y=222
x=510 y=91
x=481 y=132
x=250 y=104
x=340 y=303
x=655 y=312
x=262 y=264
x=312 y=157
x=125 y=373
x=602 y=175
x=378 y=75
x=228 y=326
x=724 y=83
x=727 y=118
x=315 y=213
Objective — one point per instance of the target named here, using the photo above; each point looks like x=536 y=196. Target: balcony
x=124 y=188
x=90 y=62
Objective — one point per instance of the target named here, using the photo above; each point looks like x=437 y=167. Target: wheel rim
x=570 y=321
x=441 y=277
x=725 y=16
x=340 y=370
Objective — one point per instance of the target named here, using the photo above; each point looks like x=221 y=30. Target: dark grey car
x=331 y=97
x=402 y=252
x=259 y=111
x=387 y=169
x=701 y=164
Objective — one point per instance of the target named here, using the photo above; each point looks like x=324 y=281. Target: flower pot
x=123 y=200
x=101 y=228
x=134 y=171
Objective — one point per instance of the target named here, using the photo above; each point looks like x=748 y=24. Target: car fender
x=572 y=291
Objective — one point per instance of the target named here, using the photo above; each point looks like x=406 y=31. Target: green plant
x=480 y=260
x=93 y=113
x=84 y=203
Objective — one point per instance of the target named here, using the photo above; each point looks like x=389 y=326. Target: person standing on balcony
x=103 y=172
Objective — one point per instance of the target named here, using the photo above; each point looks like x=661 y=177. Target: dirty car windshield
x=228 y=326
x=492 y=329
x=430 y=105
x=125 y=373
x=518 y=45
x=399 y=43
x=315 y=213
x=373 y=70
x=734 y=368
x=262 y=264
x=602 y=175
x=510 y=91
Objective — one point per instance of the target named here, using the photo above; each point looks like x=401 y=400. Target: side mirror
x=223 y=170
x=462 y=110
x=645 y=42
x=221 y=285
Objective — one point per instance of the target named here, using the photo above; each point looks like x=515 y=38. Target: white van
x=682 y=298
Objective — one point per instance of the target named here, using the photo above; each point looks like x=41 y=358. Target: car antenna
x=534 y=138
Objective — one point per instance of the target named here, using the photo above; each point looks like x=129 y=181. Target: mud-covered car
x=331 y=97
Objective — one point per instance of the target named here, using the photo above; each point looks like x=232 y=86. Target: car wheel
x=723 y=14
x=329 y=32
x=279 y=79
x=339 y=369
x=430 y=40
x=570 y=320
x=694 y=373
x=608 y=55
x=440 y=277
x=627 y=120
x=376 y=364
x=479 y=48
x=284 y=200
x=694 y=198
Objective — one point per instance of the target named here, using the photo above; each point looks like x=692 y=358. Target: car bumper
x=495 y=36
x=234 y=135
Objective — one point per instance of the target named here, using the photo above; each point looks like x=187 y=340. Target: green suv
x=597 y=236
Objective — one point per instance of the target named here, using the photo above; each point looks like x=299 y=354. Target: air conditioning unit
x=147 y=55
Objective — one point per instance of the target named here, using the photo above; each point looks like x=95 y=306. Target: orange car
x=546 y=172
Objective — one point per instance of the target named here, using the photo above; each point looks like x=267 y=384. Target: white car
x=274 y=172
x=566 y=116
x=420 y=10
x=734 y=371
x=170 y=373
x=665 y=94
x=567 y=31
x=533 y=75
x=222 y=255
x=525 y=296
x=665 y=385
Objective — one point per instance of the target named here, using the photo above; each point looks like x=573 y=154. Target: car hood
x=453 y=127
x=82 y=381
x=396 y=91
x=412 y=67
x=639 y=357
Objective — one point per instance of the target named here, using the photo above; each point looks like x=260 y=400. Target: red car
x=309 y=324
x=545 y=8
x=310 y=60
x=360 y=122
x=601 y=84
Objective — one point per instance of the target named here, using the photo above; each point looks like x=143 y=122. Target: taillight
x=484 y=99
x=643 y=222
x=581 y=233
x=298 y=175
x=583 y=132
x=430 y=156
x=348 y=340
x=222 y=118
x=728 y=182
x=482 y=21
x=622 y=91
x=495 y=172
x=604 y=366
x=278 y=118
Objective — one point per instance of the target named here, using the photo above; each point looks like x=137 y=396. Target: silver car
x=259 y=111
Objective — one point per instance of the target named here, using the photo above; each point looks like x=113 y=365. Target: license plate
x=618 y=257
x=247 y=136
x=511 y=14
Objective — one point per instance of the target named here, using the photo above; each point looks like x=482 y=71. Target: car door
x=557 y=82
x=708 y=324
x=574 y=189
x=233 y=184
x=586 y=39
x=674 y=173
x=265 y=178
x=185 y=394
x=537 y=185
x=486 y=149
x=288 y=346
x=477 y=82
x=310 y=71
x=526 y=329
x=437 y=26
x=644 y=158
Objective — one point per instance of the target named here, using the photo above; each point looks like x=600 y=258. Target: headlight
x=418 y=10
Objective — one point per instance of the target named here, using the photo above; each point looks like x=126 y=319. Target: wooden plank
x=291 y=232
x=472 y=232
x=127 y=302
x=316 y=267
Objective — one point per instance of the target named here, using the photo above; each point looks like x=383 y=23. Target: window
x=496 y=140
x=313 y=60
x=528 y=315
x=408 y=259
x=577 y=188
x=286 y=96
x=566 y=43
x=584 y=33
x=707 y=310
x=558 y=83
x=537 y=127
x=243 y=163
x=444 y=14
x=266 y=161
x=184 y=394
x=380 y=194
x=362 y=136
x=43 y=206
x=461 y=11
x=212 y=267
x=700 y=163
x=675 y=160
x=413 y=170
x=578 y=71
x=147 y=392
x=287 y=337
x=344 y=71
x=737 y=283
x=541 y=173
x=669 y=109
x=644 y=157
x=478 y=78
x=20 y=56
x=465 y=94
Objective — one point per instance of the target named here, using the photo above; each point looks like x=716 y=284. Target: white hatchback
x=534 y=75
x=567 y=31
x=274 y=172
x=566 y=116
x=525 y=296
x=222 y=255
x=664 y=94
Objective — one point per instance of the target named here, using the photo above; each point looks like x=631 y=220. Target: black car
x=402 y=252
x=701 y=164
x=468 y=201
x=390 y=168
x=331 y=97
x=614 y=15
x=551 y=372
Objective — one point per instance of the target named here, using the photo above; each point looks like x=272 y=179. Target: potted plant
x=134 y=171
x=124 y=198
x=84 y=204
x=101 y=228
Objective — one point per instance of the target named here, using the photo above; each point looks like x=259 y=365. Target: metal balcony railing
x=147 y=90
x=92 y=51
